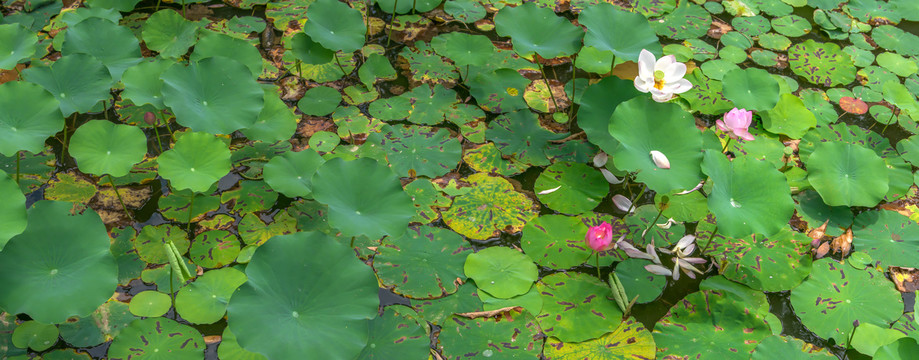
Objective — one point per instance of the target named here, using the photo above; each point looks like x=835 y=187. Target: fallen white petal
x=610 y=178
x=622 y=203
x=544 y=192
x=600 y=159
x=660 y=160
x=658 y=270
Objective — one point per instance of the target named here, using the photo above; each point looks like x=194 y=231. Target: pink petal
x=721 y=125
x=744 y=134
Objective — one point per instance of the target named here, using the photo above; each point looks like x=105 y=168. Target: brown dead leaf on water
x=906 y=279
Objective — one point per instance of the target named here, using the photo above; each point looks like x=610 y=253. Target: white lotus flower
x=662 y=78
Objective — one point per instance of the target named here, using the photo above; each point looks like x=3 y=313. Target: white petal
x=612 y=179
x=642 y=85
x=622 y=203
x=544 y=192
x=676 y=270
x=674 y=72
x=657 y=270
x=600 y=159
x=653 y=253
x=678 y=87
x=664 y=63
x=685 y=241
x=660 y=96
x=646 y=65
x=660 y=160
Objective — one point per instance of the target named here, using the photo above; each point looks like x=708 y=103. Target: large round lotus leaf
x=168 y=33
x=847 y=174
x=535 y=29
x=175 y=205
x=789 y=117
x=30 y=115
x=597 y=105
x=428 y=200
x=402 y=7
x=358 y=209
x=777 y=263
x=291 y=173
x=578 y=188
x=196 y=162
x=499 y=91
x=502 y=272
x=789 y=348
x=305 y=291
x=213 y=249
x=150 y=303
x=102 y=325
x=249 y=197
x=16 y=44
x=530 y=301
x=157 y=339
x=335 y=25
x=423 y=263
x=903 y=348
x=396 y=334
x=309 y=51
x=12 y=209
x=837 y=294
x=575 y=307
x=216 y=95
x=642 y=125
x=688 y=21
x=59 y=256
x=464 y=49
x=749 y=196
x=142 y=84
x=724 y=322
x=205 y=300
x=520 y=136
x=512 y=335
x=890 y=238
x=114 y=45
x=276 y=122
x=606 y=25
x=751 y=88
x=490 y=207
x=420 y=150
x=149 y=244
x=631 y=340
x=102 y=147
x=211 y=44
x=488 y=159
x=555 y=241
x=822 y=64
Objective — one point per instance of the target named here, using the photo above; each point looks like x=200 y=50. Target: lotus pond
x=430 y=179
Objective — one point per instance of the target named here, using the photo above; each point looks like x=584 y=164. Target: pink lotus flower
x=737 y=122
x=662 y=78
x=600 y=237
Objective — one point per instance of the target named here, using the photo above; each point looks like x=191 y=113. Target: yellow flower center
x=659 y=80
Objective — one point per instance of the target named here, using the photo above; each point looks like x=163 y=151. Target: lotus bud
x=600 y=159
x=600 y=237
x=622 y=203
x=660 y=160
x=150 y=118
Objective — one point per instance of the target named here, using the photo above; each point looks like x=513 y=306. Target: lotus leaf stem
x=157 y=5
x=172 y=294
x=118 y=194
x=725 y=147
x=612 y=65
x=64 y=151
x=190 y=205
x=542 y=69
x=659 y=212
x=710 y=238
x=18 y=155
x=156 y=131
x=598 y=266
x=391 y=19
x=574 y=87
x=338 y=61
x=634 y=201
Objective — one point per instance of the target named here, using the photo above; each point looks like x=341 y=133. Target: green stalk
x=598 y=267
x=548 y=87
x=156 y=131
x=723 y=149
x=64 y=152
x=111 y=181
x=642 y=192
x=712 y=236
x=342 y=68
x=659 y=212
x=172 y=294
x=190 y=205
x=18 y=155
x=391 y=18
x=574 y=87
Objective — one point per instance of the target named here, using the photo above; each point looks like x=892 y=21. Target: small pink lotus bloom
x=600 y=237
x=737 y=122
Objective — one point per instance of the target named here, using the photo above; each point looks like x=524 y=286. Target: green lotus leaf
x=749 y=196
x=499 y=91
x=683 y=207
x=597 y=104
x=899 y=95
x=639 y=125
x=897 y=64
x=175 y=205
x=751 y=88
x=142 y=84
x=324 y=141
x=168 y=33
x=403 y=7
x=501 y=271
x=102 y=147
x=157 y=339
x=688 y=21
x=204 y=301
x=290 y=174
x=575 y=307
x=319 y=101
x=535 y=29
x=211 y=44
x=751 y=25
x=420 y=150
x=251 y=196
x=464 y=49
x=335 y=25
x=291 y=308
x=895 y=39
x=520 y=136
x=630 y=340
x=394 y=108
x=515 y=335
x=114 y=45
x=17 y=44
x=229 y=348
x=104 y=323
x=725 y=320
x=430 y=105
x=835 y=295
x=428 y=67
x=150 y=303
x=58 y=256
x=149 y=243
x=555 y=241
x=358 y=209
x=423 y=263
x=644 y=218
x=607 y=26
x=436 y=311
x=276 y=122
x=890 y=238
x=789 y=348
x=821 y=64
x=196 y=162
x=492 y=206
x=352 y=122
x=428 y=200
x=488 y=159
x=376 y=67
x=791 y=25
x=309 y=51
x=902 y=348
x=120 y=5
x=30 y=115
x=214 y=249
x=35 y=335
x=637 y=281
x=869 y=337
x=396 y=334
x=847 y=174
x=777 y=263
x=529 y=301
x=578 y=188
x=73 y=17
x=12 y=209
x=467 y=11
x=789 y=117
x=216 y=95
